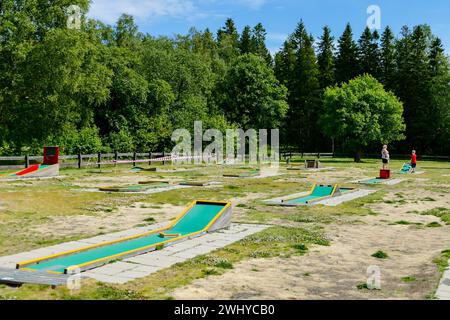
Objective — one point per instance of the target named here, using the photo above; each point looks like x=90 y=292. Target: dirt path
x=334 y=272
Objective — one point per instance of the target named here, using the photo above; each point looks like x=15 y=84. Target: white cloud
x=253 y=4
x=110 y=10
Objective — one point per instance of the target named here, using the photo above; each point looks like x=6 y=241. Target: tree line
x=106 y=88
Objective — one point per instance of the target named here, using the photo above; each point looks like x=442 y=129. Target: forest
x=106 y=88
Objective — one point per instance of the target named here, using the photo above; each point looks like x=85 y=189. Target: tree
x=325 y=59
x=368 y=53
x=360 y=113
x=347 y=57
x=251 y=96
x=285 y=61
x=305 y=97
x=440 y=97
x=245 y=43
x=228 y=40
x=413 y=86
x=259 y=43
x=387 y=59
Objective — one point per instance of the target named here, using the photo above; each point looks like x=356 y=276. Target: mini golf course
x=407 y=168
x=317 y=193
x=373 y=181
x=199 y=218
x=136 y=188
x=34 y=171
x=248 y=174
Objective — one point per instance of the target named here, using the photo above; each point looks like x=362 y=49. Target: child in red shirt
x=413 y=161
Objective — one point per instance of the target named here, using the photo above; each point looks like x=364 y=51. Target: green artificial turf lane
x=193 y=221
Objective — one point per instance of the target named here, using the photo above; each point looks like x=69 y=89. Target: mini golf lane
x=374 y=181
x=29 y=170
x=316 y=193
x=197 y=219
x=136 y=188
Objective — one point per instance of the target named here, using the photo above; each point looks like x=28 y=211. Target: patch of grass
x=401 y=201
x=434 y=224
x=442 y=213
x=150 y=220
x=428 y=199
x=406 y=223
x=364 y=286
x=224 y=265
x=210 y=272
x=380 y=255
x=442 y=260
x=409 y=279
x=302 y=248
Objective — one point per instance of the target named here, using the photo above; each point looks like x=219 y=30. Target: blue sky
x=280 y=17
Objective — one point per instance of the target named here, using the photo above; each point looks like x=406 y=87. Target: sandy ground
x=334 y=272
x=121 y=219
x=331 y=272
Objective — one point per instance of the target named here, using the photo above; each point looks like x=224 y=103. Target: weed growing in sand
x=380 y=255
x=443 y=213
x=434 y=224
x=409 y=279
x=442 y=260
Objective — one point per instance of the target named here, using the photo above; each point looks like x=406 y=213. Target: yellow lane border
x=22 y=265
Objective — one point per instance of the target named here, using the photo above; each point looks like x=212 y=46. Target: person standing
x=413 y=161
x=385 y=157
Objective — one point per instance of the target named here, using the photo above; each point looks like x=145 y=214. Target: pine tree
x=414 y=86
x=368 y=53
x=298 y=36
x=325 y=59
x=285 y=61
x=387 y=59
x=347 y=57
x=259 y=43
x=305 y=102
x=228 y=39
x=439 y=65
x=245 y=42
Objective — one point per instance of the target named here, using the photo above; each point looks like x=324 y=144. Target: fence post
x=134 y=158
x=27 y=161
x=80 y=160
x=99 y=158
x=116 y=155
x=150 y=158
x=164 y=154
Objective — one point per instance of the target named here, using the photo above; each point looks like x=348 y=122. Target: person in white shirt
x=385 y=157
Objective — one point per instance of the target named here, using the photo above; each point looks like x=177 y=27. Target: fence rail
x=80 y=160
x=97 y=159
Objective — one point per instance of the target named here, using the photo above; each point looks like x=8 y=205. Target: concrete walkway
x=332 y=202
x=443 y=292
x=143 y=265
x=146 y=264
x=389 y=182
x=335 y=201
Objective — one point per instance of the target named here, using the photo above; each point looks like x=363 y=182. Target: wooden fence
x=93 y=160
